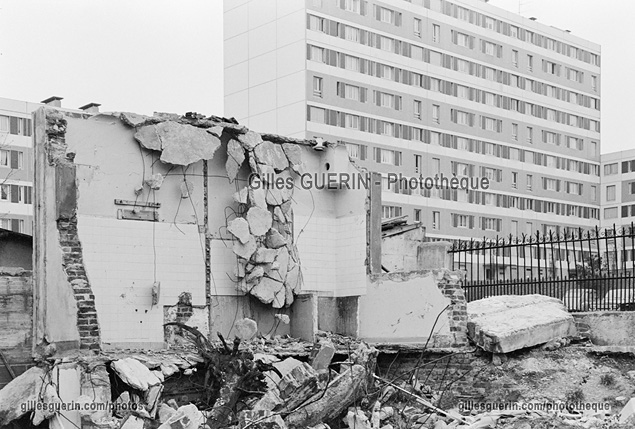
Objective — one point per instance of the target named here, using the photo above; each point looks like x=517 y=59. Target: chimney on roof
x=533 y=18
x=91 y=108
x=53 y=101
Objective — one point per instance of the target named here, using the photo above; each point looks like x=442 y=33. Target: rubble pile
x=268 y=261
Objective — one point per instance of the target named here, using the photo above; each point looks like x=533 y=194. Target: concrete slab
x=502 y=324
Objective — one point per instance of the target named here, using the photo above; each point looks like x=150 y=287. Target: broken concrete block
x=628 y=411
x=217 y=131
x=282 y=189
x=246 y=329
x=241 y=196
x=282 y=258
x=132 y=422
x=264 y=255
x=271 y=154
x=165 y=412
x=278 y=215
x=293 y=278
x=240 y=229
x=255 y=274
x=152 y=399
x=186 y=417
x=289 y=296
x=274 y=239
x=257 y=198
x=250 y=140
x=159 y=375
x=283 y=318
x=325 y=354
x=168 y=369
x=180 y=144
x=260 y=221
x=235 y=158
x=245 y=250
x=24 y=389
x=280 y=298
x=293 y=153
x=266 y=290
x=52 y=400
x=502 y=324
x=135 y=120
x=134 y=373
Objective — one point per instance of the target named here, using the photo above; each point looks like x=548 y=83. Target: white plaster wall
x=119 y=256
x=402 y=311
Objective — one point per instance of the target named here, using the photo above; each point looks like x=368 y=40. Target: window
x=436 y=33
x=5 y=156
x=386 y=100
x=435 y=84
x=317 y=54
x=418 y=165
x=386 y=44
x=549 y=137
x=513 y=31
x=462 y=221
x=462 y=91
x=609 y=169
x=610 y=193
x=351 y=34
x=353 y=150
x=387 y=129
x=386 y=15
x=417 y=215
x=387 y=72
x=417 y=27
x=463 y=66
x=4 y=124
x=550 y=184
x=351 y=121
x=491 y=124
x=351 y=92
x=490 y=74
x=514 y=154
x=550 y=67
x=352 y=5
x=390 y=212
x=351 y=63
x=5 y=191
x=490 y=23
x=317 y=86
x=436 y=220
x=530 y=135
x=514 y=180
x=610 y=213
x=316 y=114
x=436 y=165
x=530 y=62
x=462 y=143
x=316 y=23
x=462 y=118
x=386 y=156
x=594 y=148
x=463 y=40
x=489 y=48
x=490 y=99
x=594 y=193
x=416 y=107
x=515 y=58
x=594 y=83
x=491 y=224
x=515 y=132
x=435 y=138
x=436 y=113
x=530 y=182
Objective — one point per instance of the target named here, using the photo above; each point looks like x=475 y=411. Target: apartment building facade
x=618 y=189
x=431 y=87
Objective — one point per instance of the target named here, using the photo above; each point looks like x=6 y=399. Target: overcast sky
x=167 y=55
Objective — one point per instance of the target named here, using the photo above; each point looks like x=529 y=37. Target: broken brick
x=240 y=229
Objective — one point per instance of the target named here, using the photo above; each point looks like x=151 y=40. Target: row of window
x=514 y=31
x=407 y=132
x=16 y=194
x=365 y=37
x=16 y=126
x=372 y=68
x=15 y=225
x=498 y=200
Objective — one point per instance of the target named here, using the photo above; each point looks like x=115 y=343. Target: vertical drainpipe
x=208 y=261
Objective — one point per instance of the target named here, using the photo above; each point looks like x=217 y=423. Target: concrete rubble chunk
x=135 y=120
x=165 y=412
x=24 y=389
x=271 y=154
x=186 y=417
x=245 y=250
x=293 y=278
x=246 y=329
x=627 y=412
x=152 y=399
x=134 y=373
x=235 y=158
x=255 y=274
x=502 y=324
x=278 y=194
x=250 y=140
x=280 y=299
x=51 y=398
x=180 y=144
x=133 y=422
x=289 y=297
x=284 y=367
x=266 y=290
x=325 y=354
x=239 y=228
x=168 y=369
x=274 y=239
x=264 y=255
x=293 y=153
x=260 y=221
x=257 y=198
x=278 y=215
x=217 y=131
x=241 y=196
x=260 y=419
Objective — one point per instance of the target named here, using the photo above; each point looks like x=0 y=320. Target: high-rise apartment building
x=618 y=189
x=430 y=87
x=16 y=160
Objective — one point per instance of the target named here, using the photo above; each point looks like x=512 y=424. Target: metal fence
x=589 y=270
